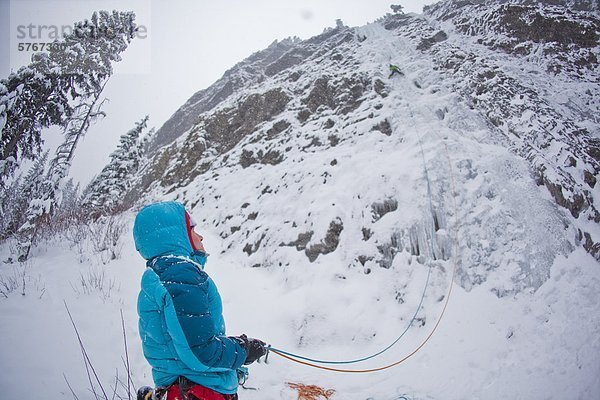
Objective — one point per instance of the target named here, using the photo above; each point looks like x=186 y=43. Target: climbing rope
x=311 y=362
x=282 y=352
x=310 y=392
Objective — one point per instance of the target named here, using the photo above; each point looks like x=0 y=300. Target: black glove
x=255 y=348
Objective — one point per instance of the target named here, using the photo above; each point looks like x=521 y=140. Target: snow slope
x=533 y=345
x=324 y=220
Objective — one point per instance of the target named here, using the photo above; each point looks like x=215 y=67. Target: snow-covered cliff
x=319 y=154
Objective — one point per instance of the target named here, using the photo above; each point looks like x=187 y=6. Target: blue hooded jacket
x=180 y=311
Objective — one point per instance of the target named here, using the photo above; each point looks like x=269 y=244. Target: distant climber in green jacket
x=395 y=70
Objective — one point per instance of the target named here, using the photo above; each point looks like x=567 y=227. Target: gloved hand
x=255 y=348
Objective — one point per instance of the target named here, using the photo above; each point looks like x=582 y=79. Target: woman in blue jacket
x=180 y=311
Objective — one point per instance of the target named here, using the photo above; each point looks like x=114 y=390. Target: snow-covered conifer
x=46 y=92
x=397 y=8
x=22 y=190
x=107 y=189
x=84 y=64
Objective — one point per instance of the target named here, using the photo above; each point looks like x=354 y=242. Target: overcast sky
x=186 y=46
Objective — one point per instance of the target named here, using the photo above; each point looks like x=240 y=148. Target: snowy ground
x=538 y=345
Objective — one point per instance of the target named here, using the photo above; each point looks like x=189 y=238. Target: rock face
x=558 y=46
x=486 y=152
x=248 y=72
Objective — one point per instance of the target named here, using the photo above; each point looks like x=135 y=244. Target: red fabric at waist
x=199 y=392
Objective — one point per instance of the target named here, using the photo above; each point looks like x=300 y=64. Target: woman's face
x=197 y=241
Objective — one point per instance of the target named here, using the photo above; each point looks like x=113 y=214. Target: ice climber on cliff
x=180 y=313
x=395 y=70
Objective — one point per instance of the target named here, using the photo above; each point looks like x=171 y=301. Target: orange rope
x=310 y=392
x=436 y=324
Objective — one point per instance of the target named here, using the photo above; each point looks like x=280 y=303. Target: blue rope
x=420 y=302
x=368 y=357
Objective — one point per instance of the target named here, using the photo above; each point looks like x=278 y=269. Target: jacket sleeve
x=188 y=314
